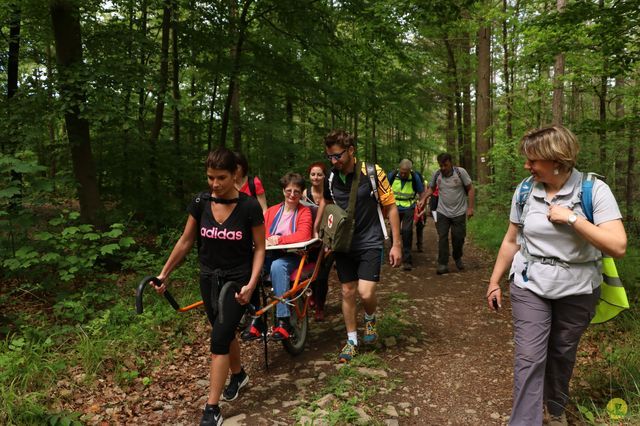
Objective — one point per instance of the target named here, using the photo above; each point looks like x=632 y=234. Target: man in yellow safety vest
x=407 y=187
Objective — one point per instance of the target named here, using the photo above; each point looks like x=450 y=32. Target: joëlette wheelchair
x=297 y=297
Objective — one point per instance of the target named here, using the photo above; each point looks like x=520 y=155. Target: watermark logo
x=617 y=408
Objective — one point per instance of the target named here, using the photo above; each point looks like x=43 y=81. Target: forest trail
x=452 y=366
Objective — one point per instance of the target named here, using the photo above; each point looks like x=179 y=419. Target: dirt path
x=453 y=366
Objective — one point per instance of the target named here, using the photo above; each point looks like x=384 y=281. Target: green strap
x=353 y=195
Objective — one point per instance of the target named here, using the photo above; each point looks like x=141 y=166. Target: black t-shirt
x=229 y=244
x=367 y=233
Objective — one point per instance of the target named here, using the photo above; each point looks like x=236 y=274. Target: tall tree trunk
x=51 y=123
x=212 y=105
x=289 y=117
x=619 y=180
x=356 y=121
x=235 y=72
x=455 y=85
x=505 y=73
x=574 y=103
x=467 y=146
x=175 y=62
x=163 y=79
x=558 y=79
x=65 y=18
x=451 y=123
x=634 y=128
x=12 y=88
x=142 y=91
x=14 y=50
x=602 y=114
x=483 y=103
x=604 y=93
x=374 y=141
x=235 y=116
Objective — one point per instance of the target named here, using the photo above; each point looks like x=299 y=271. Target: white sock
x=353 y=336
x=369 y=317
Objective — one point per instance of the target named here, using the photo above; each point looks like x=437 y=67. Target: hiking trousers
x=406 y=232
x=458 y=227
x=546 y=333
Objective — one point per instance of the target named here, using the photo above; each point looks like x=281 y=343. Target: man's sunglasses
x=336 y=156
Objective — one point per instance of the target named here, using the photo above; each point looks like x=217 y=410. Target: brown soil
x=453 y=366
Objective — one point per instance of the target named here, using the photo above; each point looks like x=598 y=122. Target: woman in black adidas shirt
x=230 y=229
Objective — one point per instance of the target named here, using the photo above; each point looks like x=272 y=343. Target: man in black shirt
x=359 y=269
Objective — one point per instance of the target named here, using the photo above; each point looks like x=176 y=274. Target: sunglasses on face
x=294 y=192
x=336 y=156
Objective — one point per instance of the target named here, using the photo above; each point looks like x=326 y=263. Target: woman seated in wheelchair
x=285 y=223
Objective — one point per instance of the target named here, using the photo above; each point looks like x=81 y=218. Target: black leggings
x=222 y=334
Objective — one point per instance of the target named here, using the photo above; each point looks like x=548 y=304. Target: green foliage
x=392 y=323
x=64 y=419
x=73 y=251
x=487 y=228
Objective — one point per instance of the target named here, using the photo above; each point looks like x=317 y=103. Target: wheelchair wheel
x=295 y=344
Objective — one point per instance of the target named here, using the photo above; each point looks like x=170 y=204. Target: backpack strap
x=522 y=207
x=461 y=181
x=586 y=194
x=331 y=176
x=392 y=176
x=434 y=181
x=353 y=193
x=373 y=179
x=278 y=216
x=202 y=200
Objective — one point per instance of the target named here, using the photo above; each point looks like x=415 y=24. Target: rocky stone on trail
x=237 y=420
x=302 y=384
x=325 y=400
x=390 y=342
x=363 y=417
x=287 y=404
x=371 y=372
x=391 y=422
x=391 y=411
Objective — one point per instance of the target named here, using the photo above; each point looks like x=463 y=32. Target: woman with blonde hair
x=553 y=254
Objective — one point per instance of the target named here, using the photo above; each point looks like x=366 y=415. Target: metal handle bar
x=156 y=282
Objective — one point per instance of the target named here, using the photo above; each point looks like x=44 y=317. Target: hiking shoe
x=237 y=382
x=319 y=314
x=442 y=269
x=211 y=416
x=254 y=331
x=459 y=265
x=407 y=266
x=560 y=420
x=348 y=352
x=370 y=331
x=420 y=249
x=283 y=331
